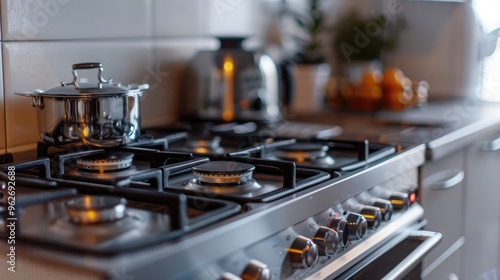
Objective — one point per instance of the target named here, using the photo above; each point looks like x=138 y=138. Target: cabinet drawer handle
x=444 y=179
x=491 y=146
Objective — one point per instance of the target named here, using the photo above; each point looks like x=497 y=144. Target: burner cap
x=302 y=151
x=223 y=172
x=108 y=161
x=96 y=209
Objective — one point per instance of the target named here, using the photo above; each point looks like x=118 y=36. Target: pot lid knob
x=87 y=65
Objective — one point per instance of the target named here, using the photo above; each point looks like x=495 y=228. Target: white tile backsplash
x=232 y=17
x=147 y=41
x=180 y=18
x=161 y=102
x=75 y=19
x=206 y=17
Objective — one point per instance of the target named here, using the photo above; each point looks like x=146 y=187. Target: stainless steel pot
x=102 y=114
x=233 y=84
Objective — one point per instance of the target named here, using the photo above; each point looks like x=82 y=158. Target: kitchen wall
x=151 y=41
x=441 y=45
x=147 y=41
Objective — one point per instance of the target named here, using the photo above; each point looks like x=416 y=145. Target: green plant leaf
x=300 y=22
x=312 y=23
x=351 y=29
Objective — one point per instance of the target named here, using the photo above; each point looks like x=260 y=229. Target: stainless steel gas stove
x=221 y=202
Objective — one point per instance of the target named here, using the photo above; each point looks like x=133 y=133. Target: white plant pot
x=309 y=87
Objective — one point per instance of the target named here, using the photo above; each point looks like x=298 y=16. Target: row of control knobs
x=365 y=211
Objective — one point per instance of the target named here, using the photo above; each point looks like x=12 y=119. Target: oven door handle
x=416 y=256
x=444 y=179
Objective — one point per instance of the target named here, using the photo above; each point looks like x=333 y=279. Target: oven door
x=397 y=259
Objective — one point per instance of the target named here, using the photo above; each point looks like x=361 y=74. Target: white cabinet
x=446 y=269
x=460 y=194
x=482 y=208
x=442 y=195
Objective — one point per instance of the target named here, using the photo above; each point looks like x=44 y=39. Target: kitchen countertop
x=444 y=126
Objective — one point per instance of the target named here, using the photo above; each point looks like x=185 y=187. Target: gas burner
x=109 y=161
x=227 y=177
x=224 y=172
x=89 y=209
x=305 y=152
x=205 y=145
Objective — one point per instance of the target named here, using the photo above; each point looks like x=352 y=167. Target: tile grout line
x=153 y=32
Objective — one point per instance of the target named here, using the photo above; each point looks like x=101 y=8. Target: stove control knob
x=256 y=270
x=399 y=200
x=357 y=225
x=303 y=253
x=372 y=215
x=327 y=240
x=408 y=189
x=412 y=194
x=340 y=226
x=385 y=207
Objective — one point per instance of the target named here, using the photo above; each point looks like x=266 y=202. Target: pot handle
x=87 y=65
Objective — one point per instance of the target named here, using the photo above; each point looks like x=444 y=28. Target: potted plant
x=360 y=45
x=363 y=42
x=310 y=71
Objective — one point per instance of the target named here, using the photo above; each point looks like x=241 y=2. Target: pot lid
x=92 y=90
x=102 y=88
